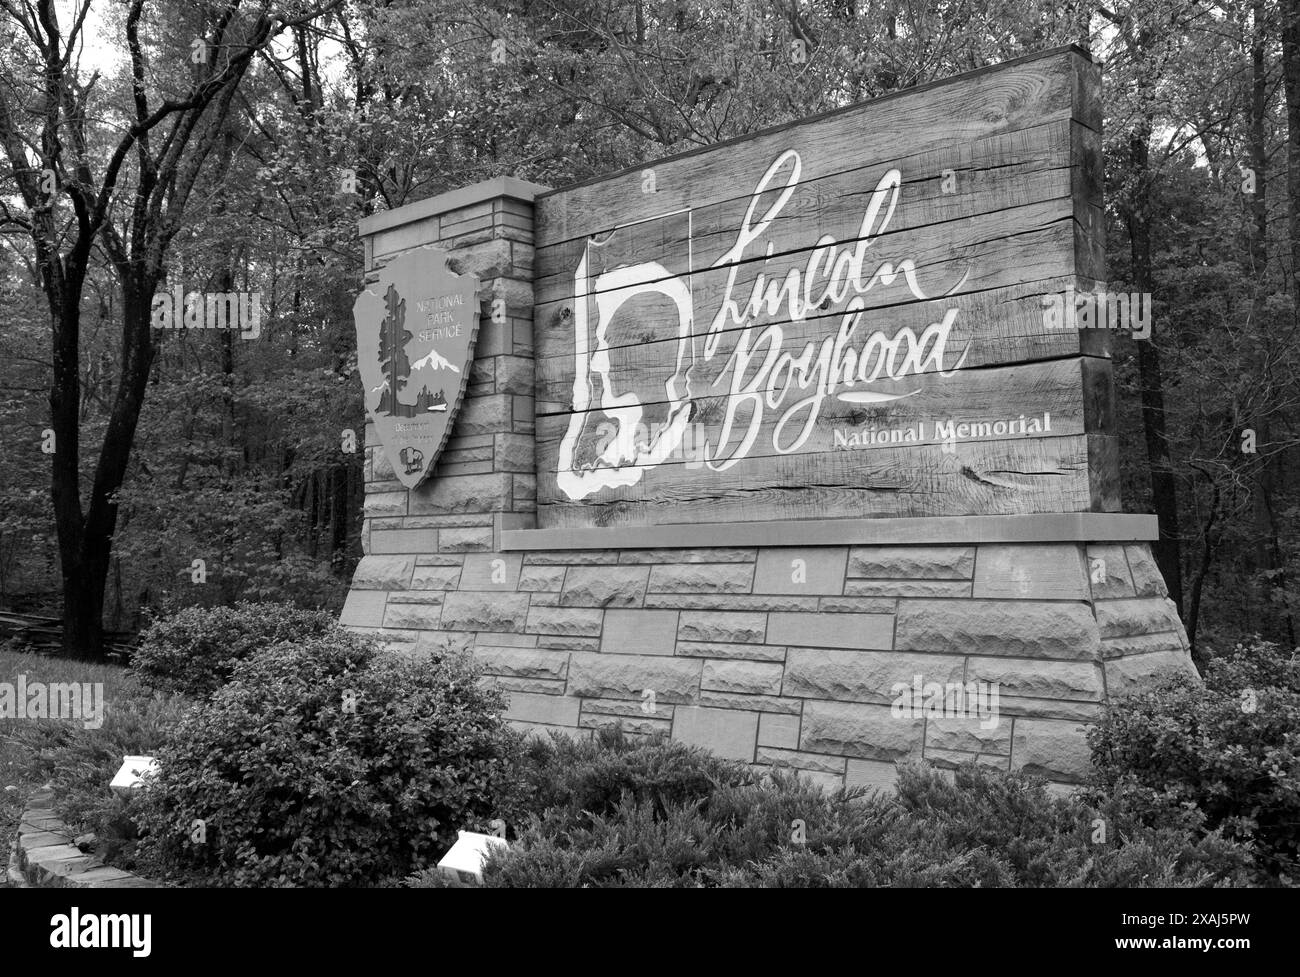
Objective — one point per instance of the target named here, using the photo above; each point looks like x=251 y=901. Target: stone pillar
x=417 y=542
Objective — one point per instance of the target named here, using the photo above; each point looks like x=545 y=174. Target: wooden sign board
x=416 y=328
x=840 y=317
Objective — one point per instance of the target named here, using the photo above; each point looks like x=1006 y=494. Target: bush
x=195 y=650
x=297 y=789
x=1228 y=751
x=81 y=762
x=657 y=814
x=593 y=776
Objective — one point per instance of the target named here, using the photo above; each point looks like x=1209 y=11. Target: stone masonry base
x=788 y=656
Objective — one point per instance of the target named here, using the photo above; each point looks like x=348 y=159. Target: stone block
x=514 y=453
x=754 y=678
x=908 y=588
x=1134 y=673
x=857 y=605
x=492 y=571
x=435 y=577
x=1038 y=678
x=637 y=725
x=859 y=730
x=500 y=639
x=604 y=586
x=732 y=602
x=1043 y=571
x=485 y=415
x=1025 y=629
x=471 y=611
x=725 y=732
x=546 y=579
x=1144 y=615
x=475 y=539
x=701 y=578
x=364 y=608
x=722 y=626
x=518 y=683
x=417 y=616
x=862 y=676
x=831 y=630
x=1142 y=644
x=383 y=573
x=758 y=703
x=461 y=493
x=1073 y=710
x=1051 y=749
x=515 y=375
x=567 y=642
x=872 y=774
x=818 y=762
x=724 y=649
x=551 y=710
x=522 y=662
x=600 y=676
x=912 y=562
x=379 y=504
x=810 y=570
x=1147 y=580
x=628 y=707
x=404 y=541
x=779 y=731
x=638 y=632
x=564 y=620
x=991 y=734
x=952 y=759
x=1108 y=573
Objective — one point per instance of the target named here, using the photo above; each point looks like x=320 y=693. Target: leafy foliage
x=329 y=764
x=195 y=650
x=1228 y=751
x=658 y=814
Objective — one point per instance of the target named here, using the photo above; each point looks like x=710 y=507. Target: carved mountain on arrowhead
x=434 y=361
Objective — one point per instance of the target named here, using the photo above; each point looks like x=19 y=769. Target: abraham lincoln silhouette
x=628 y=416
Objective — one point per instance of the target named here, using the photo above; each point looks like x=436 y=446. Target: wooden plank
x=718 y=426
x=998 y=326
x=1045 y=475
x=1007 y=98
x=1019 y=246
x=1012 y=169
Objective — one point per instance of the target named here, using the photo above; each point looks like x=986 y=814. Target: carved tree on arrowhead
x=393 y=337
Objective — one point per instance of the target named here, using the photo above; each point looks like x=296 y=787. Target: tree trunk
x=1164 y=487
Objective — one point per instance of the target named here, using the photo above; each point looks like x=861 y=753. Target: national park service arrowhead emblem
x=416 y=328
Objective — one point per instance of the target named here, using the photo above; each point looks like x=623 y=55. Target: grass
x=17 y=769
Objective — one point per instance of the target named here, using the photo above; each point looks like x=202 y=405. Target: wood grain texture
x=882 y=269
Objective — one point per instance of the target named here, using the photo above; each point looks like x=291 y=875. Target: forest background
x=234 y=146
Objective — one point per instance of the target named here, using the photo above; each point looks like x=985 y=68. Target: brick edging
x=44 y=855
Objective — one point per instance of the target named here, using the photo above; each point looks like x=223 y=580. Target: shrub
x=1229 y=751
x=194 y=651
x=656 y=814
x=594 y=775
x=297 y=788
x=80 y=762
